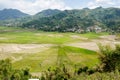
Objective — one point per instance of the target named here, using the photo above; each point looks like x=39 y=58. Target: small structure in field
x=95 y=28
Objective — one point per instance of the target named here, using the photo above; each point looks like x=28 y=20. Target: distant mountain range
x=6 y=14
x=76 y=20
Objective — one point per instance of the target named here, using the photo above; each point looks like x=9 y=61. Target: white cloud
x=104 y=3
x=33 y=6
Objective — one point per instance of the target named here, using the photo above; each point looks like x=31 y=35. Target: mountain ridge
x=6 y=14
x=72 y=20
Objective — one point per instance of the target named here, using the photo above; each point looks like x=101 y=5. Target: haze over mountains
x=68 y=20
x=11 y=14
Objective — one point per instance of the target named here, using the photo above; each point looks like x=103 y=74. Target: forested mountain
x=78 y=20
x=18 y=21
x=47 y=13
x=6 y=14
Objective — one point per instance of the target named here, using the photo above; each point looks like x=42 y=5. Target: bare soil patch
x=108 y=37
x=51 y=35
x=6 y=50
x=23 y=48
x=3 y=38
x=78 y=37
x=86 y=45
x=93 y=44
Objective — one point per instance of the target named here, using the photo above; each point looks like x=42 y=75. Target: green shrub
x=8 y=73
x=110 y=58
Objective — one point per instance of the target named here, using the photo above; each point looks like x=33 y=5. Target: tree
x=8 y=73
x=110 y=58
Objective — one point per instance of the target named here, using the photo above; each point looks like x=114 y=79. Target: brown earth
x=93 y=44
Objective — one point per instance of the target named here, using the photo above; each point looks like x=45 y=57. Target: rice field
x=38 y=50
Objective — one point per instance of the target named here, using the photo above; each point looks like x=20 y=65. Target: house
x=95 y=28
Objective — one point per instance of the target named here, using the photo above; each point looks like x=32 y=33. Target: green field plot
x=40 y=50
x=57 y=56
x=26 y=36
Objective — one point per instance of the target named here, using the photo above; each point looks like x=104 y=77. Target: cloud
x=33 y=6
x=104 y=3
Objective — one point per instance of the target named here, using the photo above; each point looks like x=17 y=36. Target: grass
x=82 y=56
x=92 y=35
x=118 y=36
x=34 y=37
x=62 y=57
x=20 y=36
x=54 y=56
x=78 y=50
x=37 y=62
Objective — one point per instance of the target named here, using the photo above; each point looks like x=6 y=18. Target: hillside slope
x=74 y=20
x=6 y=14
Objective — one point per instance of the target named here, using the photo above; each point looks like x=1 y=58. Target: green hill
x=6 y=14
x=74 y=20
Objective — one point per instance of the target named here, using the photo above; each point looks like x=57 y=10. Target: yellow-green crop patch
x=24 y=36
x=56 y=56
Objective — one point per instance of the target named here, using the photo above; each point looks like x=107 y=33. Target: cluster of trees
x=7 y=72
x=110 y=58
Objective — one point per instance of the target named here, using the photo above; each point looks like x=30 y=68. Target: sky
x=35 y=6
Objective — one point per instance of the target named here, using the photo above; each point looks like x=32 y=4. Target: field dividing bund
x=63 y=57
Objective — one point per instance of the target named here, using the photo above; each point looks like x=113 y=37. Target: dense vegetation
x=78 y=20
x=110 y=58
x=46 y=13
x=7 y=72
x=68 y=21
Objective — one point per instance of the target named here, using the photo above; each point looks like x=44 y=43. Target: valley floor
x=39 y=50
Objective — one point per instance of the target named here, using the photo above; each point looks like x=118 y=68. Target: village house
x=95 y=28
